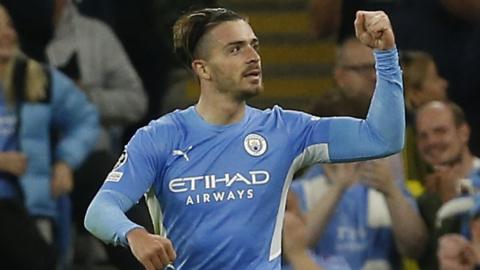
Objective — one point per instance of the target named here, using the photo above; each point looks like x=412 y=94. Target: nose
x=252 y=55
x=433 y=140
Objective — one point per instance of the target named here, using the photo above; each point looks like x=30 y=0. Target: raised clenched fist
x=373 y=29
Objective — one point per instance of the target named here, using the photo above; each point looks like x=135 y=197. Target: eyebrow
x=241 y=42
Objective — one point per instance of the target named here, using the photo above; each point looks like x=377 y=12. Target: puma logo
x=182 y=153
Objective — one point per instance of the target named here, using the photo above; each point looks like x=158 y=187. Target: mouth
x=253 y=73
x=436 y=150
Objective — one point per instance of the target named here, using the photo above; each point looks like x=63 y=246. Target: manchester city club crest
x=255 y=144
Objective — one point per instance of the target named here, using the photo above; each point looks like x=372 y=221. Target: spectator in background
x=32 y=19
x=462 y=251
x=421 y=80
x=36 y=103
x=151 y=48
x=295 y=246
x=357 y=212
x=456 y=252
x=442 y=138
x=355 y=78
x=449 y=30
x=295 y=243
x=422 y=84
x=88 y=51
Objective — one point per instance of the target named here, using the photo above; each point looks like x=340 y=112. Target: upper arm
x=344 y=139
x=308 y=136
x=332 y=139
x=139 y=165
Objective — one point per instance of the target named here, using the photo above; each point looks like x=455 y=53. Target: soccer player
x=220 y=170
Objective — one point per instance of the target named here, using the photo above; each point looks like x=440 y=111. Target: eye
x=235 y=49
x=256 y=47
x=422 y=136
x=441 y=131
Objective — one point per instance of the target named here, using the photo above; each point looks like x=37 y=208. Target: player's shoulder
x=278 y=112
x=275 y=111
x=162 y=127
x=159 y=136
x=170 y=121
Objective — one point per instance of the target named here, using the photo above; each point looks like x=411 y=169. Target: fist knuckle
x=143 y=257
x=165 y=242
x=159 y=248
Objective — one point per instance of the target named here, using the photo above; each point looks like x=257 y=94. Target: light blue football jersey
x=222 y=189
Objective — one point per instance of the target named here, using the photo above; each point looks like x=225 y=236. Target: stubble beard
x=456 y=159
x=453 y=160
x=247 y=94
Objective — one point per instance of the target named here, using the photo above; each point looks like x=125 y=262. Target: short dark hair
x=457 y=112
x=190 y=28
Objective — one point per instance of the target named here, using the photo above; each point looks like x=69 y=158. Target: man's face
x=8 y=36
x=440 y=141
x=355 y=73
x=232 y=59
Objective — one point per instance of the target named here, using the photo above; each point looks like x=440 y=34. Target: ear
x=464 y=131
x=200 y=68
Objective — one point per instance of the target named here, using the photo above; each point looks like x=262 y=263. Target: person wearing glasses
x=354 y=76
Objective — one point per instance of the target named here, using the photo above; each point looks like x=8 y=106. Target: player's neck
x=220 y=110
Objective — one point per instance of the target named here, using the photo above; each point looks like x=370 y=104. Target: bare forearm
x=302 y=261
x=319 y=215
x=2 y=162
x=13 y=163
x=408 y=228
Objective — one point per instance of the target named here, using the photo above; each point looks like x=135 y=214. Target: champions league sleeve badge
x=121 y=160
x=255 y=144
x=114 y=175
